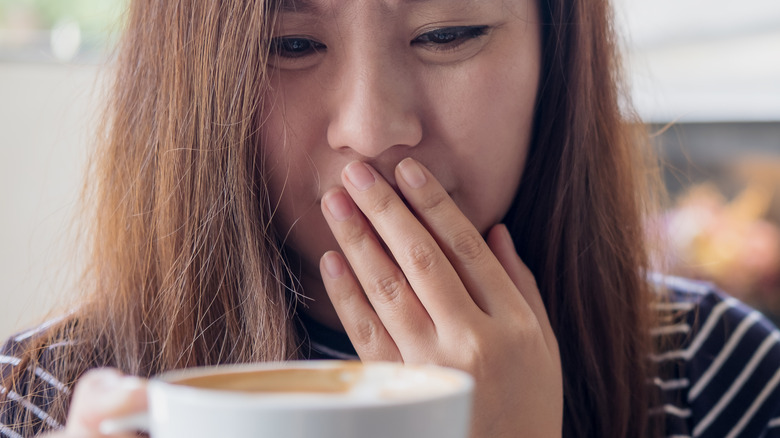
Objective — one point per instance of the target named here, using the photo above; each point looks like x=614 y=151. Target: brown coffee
x=305 y=380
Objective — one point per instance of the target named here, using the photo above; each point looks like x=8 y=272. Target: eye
x=449 y=38
x=295 y=47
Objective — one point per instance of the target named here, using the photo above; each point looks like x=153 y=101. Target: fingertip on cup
x=129 y=423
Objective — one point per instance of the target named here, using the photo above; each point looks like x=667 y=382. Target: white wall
x=703 y=60
x=45 y=112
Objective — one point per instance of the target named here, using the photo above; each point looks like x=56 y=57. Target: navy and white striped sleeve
x=725 y=379
x=25 y=405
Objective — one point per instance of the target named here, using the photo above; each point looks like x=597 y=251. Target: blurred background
x=704 y=75
x=52 y=56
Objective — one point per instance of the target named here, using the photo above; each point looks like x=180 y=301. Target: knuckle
x=434 y=200
x=468 y=245
x=384 y=204
x=477 y=351
x=525 y=331
x=353 y=236
x=388 y=289
x=365 y=332
x=421 y=256
x=344 y=298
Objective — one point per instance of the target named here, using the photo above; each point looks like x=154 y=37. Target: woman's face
x=451 y=83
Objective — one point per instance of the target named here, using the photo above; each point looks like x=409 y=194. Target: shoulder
x=30 y=386
x=720 y=361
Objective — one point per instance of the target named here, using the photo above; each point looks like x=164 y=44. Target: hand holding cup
x=101 y=395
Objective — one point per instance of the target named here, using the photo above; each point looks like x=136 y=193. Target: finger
x=500 y=242
x=102 y=394
x=417 y=253
x=394 y=302
x=479 y=270
x=363 y=326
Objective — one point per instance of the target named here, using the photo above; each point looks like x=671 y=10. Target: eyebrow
x=298 y=6
x=311 y=6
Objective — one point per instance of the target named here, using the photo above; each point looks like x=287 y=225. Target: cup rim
x=233 y=399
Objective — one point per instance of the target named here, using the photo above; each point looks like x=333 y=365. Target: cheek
x=501 y=102
x=290 y=131
x=274 y=154
x=488 y=102
x=280 y=156
x=292 y=154
x=489 y=135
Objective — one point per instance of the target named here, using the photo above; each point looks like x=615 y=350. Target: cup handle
x=129 y=423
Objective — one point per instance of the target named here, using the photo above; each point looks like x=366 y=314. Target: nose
x=373 y=107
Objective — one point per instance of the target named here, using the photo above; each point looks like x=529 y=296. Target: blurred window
x=58 y=30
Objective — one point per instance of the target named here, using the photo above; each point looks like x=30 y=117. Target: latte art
x=351 y=380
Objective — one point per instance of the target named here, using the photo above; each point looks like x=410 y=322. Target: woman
x=418 y=127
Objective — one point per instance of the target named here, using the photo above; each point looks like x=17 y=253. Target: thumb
x=102 y=394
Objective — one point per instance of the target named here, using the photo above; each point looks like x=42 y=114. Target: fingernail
x=412 y=173
x=507 y=235
x=332 y=264
x=360 y=176
x=114 y=390
x=338 y=205
x=130 y=383
x=107 y=377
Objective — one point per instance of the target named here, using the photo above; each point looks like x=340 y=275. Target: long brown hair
x=185 y=269
x=589 y=183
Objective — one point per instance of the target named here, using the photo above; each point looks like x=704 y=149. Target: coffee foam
x=349 y=380
x=388 y=382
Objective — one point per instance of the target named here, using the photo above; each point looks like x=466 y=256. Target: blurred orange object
x=728 y=242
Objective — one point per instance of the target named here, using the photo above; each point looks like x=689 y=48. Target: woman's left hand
x=425 y=287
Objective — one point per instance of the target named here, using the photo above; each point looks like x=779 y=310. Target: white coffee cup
x=304 y=399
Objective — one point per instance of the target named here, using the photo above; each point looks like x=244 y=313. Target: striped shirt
x=721 y=378
x=721 y=375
